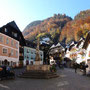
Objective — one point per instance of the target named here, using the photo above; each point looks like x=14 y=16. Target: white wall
x=88 y=50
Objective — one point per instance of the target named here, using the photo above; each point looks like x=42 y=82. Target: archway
x=5 y=62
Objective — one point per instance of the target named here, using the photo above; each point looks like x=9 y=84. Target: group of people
x=4 y=68
x=6 y=72
x=81 y=66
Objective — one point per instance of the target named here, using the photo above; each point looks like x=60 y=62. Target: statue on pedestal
x=37 y=58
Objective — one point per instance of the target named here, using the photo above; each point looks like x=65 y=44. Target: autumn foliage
x=60 y=27
x=75 y=29
x=50 y=26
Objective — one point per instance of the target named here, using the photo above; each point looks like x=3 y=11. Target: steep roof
x=13 y=27
x=53 y=46
x=80 y=41
x=63 y=45
x=13 y=24
x=58 y=45
x=87 y=41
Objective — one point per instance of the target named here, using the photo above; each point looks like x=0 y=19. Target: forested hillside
x=77 y=28
x=59 y=27
x=50 y=27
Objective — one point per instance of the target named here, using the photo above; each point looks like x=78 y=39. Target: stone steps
x=38 y=74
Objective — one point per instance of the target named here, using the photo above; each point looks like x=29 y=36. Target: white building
x=86 y=47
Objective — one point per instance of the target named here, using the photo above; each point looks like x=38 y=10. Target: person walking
x=75 y=67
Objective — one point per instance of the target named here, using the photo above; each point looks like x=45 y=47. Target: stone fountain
x=38 y=70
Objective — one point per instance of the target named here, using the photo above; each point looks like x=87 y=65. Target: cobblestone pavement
x=68 y=80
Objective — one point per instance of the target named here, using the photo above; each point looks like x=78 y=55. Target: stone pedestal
x=38 y=72
x=38 y=67
x=38 y=62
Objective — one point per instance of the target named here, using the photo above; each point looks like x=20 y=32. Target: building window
x=27 y=50
x=12 y=43
x=15 y=34
x=11 y=52
x=27 y=57
x=34 y=52
x=31 y=52
x=31 y=57
x=16 y=53
x=41 y=54
x=1 y=38
x=16 y=45
x=6 y=30
x=7 y=41
x=4 y=50
x=24 y=56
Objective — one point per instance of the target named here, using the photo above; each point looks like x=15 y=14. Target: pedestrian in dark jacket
x=75 y=67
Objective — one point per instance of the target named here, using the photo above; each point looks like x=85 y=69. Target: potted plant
x=53 y=68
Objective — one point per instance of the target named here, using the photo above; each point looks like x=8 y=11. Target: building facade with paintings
x=86 y=47
x=57 y=52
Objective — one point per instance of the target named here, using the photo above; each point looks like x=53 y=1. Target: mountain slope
x=32 y=24
x=50 y=27
x=77 y=28
x=82 y=14
x=60 y=28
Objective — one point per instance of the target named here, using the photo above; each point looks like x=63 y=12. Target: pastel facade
x=30 y=54
x=9 y=50
x=12 y=30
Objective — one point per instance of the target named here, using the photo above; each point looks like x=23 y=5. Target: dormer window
x=15 y=34
x=6 y=30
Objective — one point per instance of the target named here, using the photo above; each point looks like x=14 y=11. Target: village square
x=44 y=44
x=28 y=66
